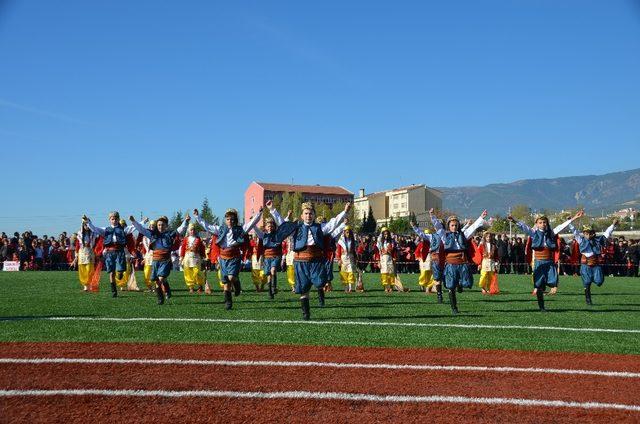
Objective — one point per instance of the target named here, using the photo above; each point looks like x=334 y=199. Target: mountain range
x=596 y=193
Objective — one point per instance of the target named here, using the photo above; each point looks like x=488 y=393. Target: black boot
x=439 y=292
x=114 y=290
x=306 y=310
x=160 y=294
x=540 y=297
x=228 y=300
x=321 y=297
x=587 y=295
x=167 y=289
x=271 y=288
x=453 y=301
x=237 y=288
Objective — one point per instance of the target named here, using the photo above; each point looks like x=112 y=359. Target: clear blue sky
x=151 y=106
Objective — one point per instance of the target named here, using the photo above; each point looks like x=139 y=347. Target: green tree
x=207 y=213
x=522 y=213
x=176 y=220
x=285 y=203
x=399 y=225
x=296 y=204
x=369 y=224
x=323 y=211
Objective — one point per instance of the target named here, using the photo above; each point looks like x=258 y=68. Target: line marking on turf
x=348 y=365
x=349 y=323
x=321 y=396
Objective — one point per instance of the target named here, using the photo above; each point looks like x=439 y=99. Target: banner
x=11 y=266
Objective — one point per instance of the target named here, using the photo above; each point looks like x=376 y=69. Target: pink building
x=258 y=193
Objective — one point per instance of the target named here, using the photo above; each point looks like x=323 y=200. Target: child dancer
x=192 y=253
x=148 y=256
x=423 y=255
x=456 y=254
x=162 y=241
x=545 y=246
x=346 y=253
x=309 y=262
x=436 y=254
x=231 y=237
x=85 y=258
x=487 y=260
x=590 y=249
x=270 y=241
x=115 y=241
x=387 y=248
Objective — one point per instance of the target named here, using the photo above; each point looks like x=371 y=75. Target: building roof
x=409 y=187
x=311 y=189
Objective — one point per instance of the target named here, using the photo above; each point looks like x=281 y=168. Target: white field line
x=343 y=365
x=363 y=397
x=331 y=323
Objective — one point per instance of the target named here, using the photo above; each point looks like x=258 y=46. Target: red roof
x=311 y=189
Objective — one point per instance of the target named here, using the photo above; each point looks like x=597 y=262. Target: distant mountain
x=596 y=193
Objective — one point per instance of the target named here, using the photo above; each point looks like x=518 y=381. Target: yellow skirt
x=291 y=275
x=193 y=276
x=147 y=275
x=426 y=279
x=258 y=277
x=85 y=272
x=388 y=279
x=485 y=279
x=122 y=282
x=347 y=277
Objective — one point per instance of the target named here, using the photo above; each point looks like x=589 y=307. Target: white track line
x=322 y=396
x=330 y=323
x=348 y=365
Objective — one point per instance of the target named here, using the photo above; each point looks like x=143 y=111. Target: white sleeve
x=525 y=228
x=129 y=229
x=328 y=227
x=95 y=229
x=259 y=233
x=276 y=216
x=144 y=231
x=182 y=228
x=576 y=234
x=609 y=231
x=472 y=229
x=336 y=233
x=252 y=223
x=208 y=227
x=562 y=226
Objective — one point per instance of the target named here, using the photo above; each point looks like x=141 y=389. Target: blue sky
x=151 y=106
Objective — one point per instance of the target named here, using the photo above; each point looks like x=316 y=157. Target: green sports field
x=49 y=306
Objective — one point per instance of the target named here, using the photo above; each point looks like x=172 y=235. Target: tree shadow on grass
x=403 y=317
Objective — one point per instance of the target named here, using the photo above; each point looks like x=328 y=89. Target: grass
x=27 y=296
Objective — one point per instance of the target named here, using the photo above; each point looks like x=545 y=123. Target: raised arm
x=144 y=231
x=338 y=230
x=436 y=223
x=609 y=230
x=576 y=234
x=129 y=229
x=420 y=232
x=259 y=232
x=182 y=229
x=252 y=222
x=473 y=227
x=93 y=228
x=565 y=224
x=523 y=227
x=333 y=223
x=208 y=227
x=274 y=213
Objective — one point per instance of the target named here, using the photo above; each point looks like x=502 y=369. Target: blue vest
x=538 y=241
x=435 y=243
x=162 y=240
x=237 y=234
x=121 y=238
x=302 y=233
x=595 y=244
x=450 y=242
x=275 y=239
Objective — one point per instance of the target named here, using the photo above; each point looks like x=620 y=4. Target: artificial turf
x=27 y=297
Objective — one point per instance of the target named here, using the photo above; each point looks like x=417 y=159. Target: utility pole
x=510 y=232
